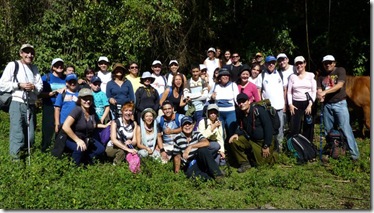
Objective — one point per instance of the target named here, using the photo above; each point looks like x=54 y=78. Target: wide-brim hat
x=85 y=92
x=145 y=75
x=119 y=65
x=223 y=71
x=211 y=107
x=149 y=110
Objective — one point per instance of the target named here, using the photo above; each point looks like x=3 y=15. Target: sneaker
x=244 y=167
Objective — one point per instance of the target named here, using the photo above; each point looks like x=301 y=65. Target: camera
x=89 y=142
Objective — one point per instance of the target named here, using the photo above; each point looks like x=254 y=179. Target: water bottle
x=192 y=163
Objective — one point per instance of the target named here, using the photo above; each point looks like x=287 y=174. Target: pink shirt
x=297 y=87
x=251 y=90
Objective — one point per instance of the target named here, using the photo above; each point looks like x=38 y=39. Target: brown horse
x=358 y=92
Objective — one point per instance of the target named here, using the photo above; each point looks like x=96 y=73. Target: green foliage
x=49 y=183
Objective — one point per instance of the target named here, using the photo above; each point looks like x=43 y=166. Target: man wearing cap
x=287 y=70
x=192 y=155
x=255 y=133
x=331 y=92
x=100 y=99
x=65 y=102
x=146 y=96
x=53 y=84
x=25 y=87
x=173 y=67
x=259 y=59
x=160 y=82
x=211 y=63
x=103 y=73
x=273 y=87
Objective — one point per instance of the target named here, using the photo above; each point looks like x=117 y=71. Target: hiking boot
x=244 y=167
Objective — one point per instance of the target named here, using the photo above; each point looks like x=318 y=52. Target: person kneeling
x=191 y=153
x=258 y=138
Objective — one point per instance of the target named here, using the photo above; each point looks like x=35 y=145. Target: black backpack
x=275 y=120
x=336 y=143
x=301 y=148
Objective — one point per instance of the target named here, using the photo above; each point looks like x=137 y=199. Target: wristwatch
x=265 y=146
x=19 y=85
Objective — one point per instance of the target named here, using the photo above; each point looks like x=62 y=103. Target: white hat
x=156 y=62
x=299 y=59
x=24 y=46
x=55 y=60
x=173 y=61
x=281 y=55
x=328 y=58
x=145 y=75
x=202 y=66
x=103 y=58
x=211 y=49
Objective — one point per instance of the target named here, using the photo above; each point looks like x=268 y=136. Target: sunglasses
x=235 y=56
x=87 y=98
x=327 y=63
x=134 y=67
x=241 y=101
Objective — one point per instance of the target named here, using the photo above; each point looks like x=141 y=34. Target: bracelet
x=162 y=150
x=19 y=85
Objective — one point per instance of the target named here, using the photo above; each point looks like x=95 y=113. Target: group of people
x=194 y=122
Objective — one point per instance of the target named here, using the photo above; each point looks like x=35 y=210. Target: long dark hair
x=180 y=91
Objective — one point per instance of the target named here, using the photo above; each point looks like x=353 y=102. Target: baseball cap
x=242 y=96
x=71 y=77
x=24 y=46
x=299 y=59
x=281 y=55
x=95 y=79
x=259 y=54
x=148 y=110
x=270 y=58
x=156 y=62
x=328 y=58
x=173 y=61
x=85 y=92
x=103 y=58
x=55 y=60
x=211 y=49
x=186 y=119
x=212 y=106
x=202 y=66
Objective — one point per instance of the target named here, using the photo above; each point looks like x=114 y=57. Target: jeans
x=197 y=117
x=205 y=166
x=214 y=148
x=336 y=114
x=19 y=132
x=80 y=156
x=228 y=120
x=281 y=128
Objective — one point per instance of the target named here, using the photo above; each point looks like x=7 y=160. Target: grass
x=49 y=183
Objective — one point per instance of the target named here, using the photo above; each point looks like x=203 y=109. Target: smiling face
x=227 y=55
x=168 y=110
x=224 y=79
x=58 y=67
x=86 y=101
x=156 y=69
x=27 y=55
x=134 y=69
x=283 y=63
x=195 y=73
x=329 y=65
x=213 y=115
x=127 y=113
x=255 y=71
x=187 y=128
x=148 y=118
x=174 y=67
x=103 y=66
x=178 y=81
x=244 y=76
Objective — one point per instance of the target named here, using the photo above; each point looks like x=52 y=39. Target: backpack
x=275 y=120
x=162 y=120
x=6 y=97
x=301 y=148
x=336 y=143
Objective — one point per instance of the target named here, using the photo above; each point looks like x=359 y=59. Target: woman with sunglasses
x=80 y=127
x=133 y=75
x=146 y=96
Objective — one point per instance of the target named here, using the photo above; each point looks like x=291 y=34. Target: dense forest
x=80 y=31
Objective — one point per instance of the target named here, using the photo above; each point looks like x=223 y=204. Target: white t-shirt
x=211 y=65
x=159 y=83
x=273 y=88
x=105 y=78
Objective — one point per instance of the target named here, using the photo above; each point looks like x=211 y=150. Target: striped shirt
x=180 y=143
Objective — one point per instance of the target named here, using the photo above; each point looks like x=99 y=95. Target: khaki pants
x=116 y=153
x=242 y=144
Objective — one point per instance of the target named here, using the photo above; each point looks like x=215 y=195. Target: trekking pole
x=28 y=125
x=320 y=132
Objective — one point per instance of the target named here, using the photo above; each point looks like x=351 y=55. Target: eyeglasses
x=102 y=62
x=135 y=67
x=87 y=98
x=148 y=79
x=327 y=62
x=97 y=83
x=271 y=62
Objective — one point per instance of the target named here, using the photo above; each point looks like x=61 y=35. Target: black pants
x=296 y=120
x=205 y=166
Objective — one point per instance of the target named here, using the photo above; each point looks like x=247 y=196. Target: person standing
x=298 y=102
x=247 y=87
x=25 y=88
x=146 y=96
x=273 y=87
x=227 y=58
x=159 y=82
x=53 y=84
x=211 y=63
x=133 y=76
x=331 y=92
x=174 y=70
x=235 y=67
x=103 y=72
